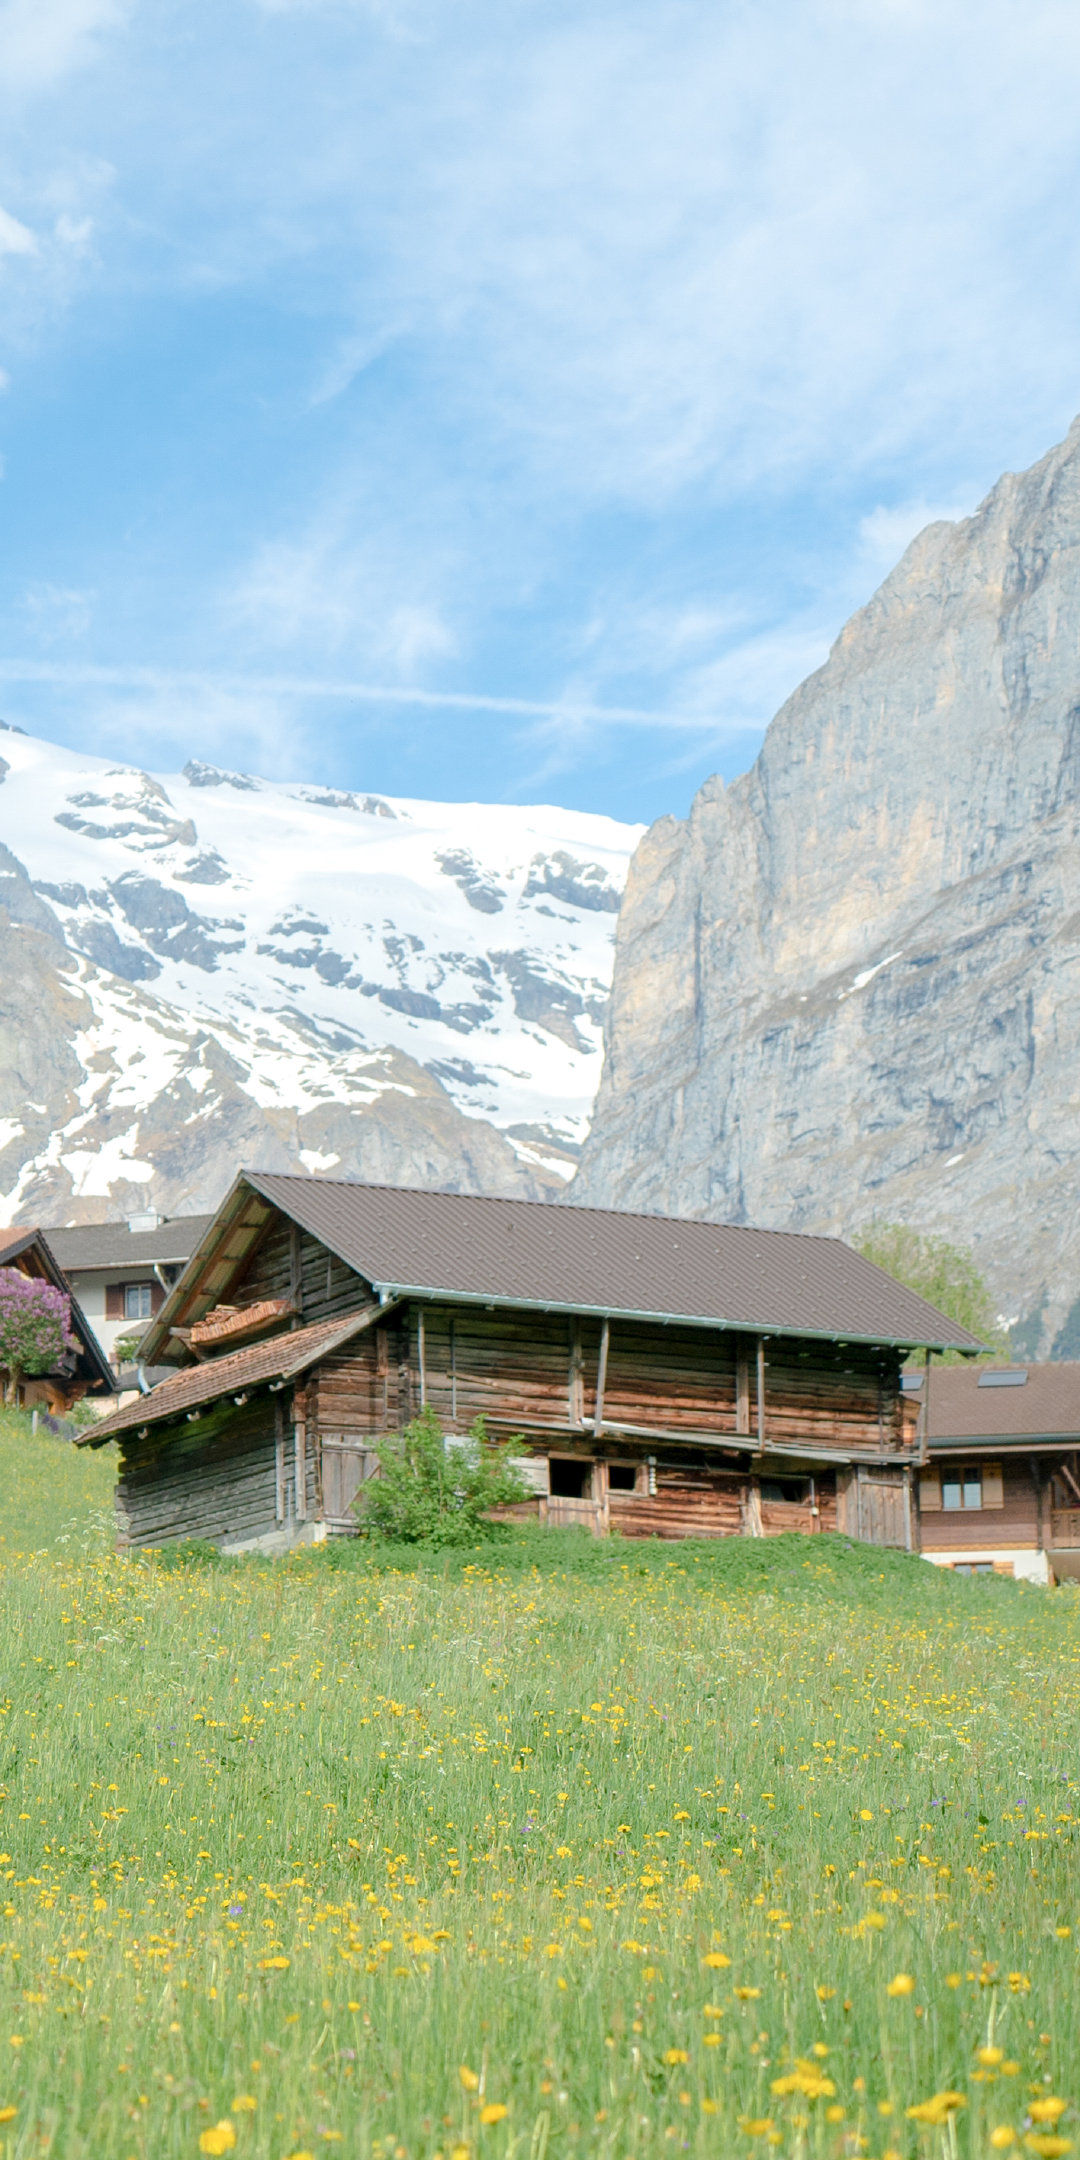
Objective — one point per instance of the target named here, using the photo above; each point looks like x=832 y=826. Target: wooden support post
x=279 y=1458
x=761 y=1392
x=742 y=1392
x=453 y=1370
x=382 y=1378
x=300 y=1455
x=576 y=1382
x=296 y=1278
x=601 y=1379
x=420 y=1345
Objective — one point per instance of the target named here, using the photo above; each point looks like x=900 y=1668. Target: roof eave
x=485 y=1299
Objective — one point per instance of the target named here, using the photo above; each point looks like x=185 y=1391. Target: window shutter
x=993 y=1485
x=157 y=1297
x=114 y=1301
x=930 y=1492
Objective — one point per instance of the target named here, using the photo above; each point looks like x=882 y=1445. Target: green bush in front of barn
x=433 y=1492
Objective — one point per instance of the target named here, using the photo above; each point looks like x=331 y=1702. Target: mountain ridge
x=849 y=984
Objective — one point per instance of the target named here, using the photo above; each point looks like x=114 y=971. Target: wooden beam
x=576 y=1382
x=279 y=1459
x=295 y=1275
x=742 y=1392
x=601 y=1378
x=761 y=1391
x=420 y=1358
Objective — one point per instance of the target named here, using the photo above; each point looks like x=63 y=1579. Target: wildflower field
x=545 y=1849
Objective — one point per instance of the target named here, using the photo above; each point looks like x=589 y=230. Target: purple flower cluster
x=35 y=1324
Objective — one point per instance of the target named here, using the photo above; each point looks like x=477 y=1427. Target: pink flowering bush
x=35 y=1326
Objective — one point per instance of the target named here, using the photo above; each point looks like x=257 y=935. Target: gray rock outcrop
x=849 y=984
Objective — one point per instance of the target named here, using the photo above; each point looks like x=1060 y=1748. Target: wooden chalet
x=655 y=1377
x=83 y=1370
x=1001 y=1490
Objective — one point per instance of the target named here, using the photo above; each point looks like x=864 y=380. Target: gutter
x=483 y=1300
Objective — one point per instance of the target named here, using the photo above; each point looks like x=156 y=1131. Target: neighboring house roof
x=555 y=1257
x=31 y=1252
x=114 y=1244
x=287 y=1355
x=998 y=1404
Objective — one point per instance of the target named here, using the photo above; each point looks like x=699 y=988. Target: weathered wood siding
x=222 y=1477
x=288 y=1262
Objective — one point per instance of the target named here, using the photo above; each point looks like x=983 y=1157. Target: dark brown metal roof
x=113 y=1244
x=282 y=1358
x=986 y=1402
x=555 y=1257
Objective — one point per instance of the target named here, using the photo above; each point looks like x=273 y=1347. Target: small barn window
x=621 y=1477
x=794 y=1490
x=570 y=1480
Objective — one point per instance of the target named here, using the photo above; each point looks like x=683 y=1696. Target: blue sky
x=588 y=361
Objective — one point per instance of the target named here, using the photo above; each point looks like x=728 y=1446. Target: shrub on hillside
x=430 y=1492
x=35 y=1328
x=944 y=1274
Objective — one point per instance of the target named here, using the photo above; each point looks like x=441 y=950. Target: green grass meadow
x=544 y=1849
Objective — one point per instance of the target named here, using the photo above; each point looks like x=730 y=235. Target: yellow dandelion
x=824 y=1994
x=1049 y=2110
x=989 y=2057
x=274 y=1964
x=8 y=2114
x=756 y=2125
x=716 y=1960
x=1002 y=2137
x=866 y=1814
x=676 y=2055
x=421 y=1947
x=1047 y=2145
x=468 y=2078
x=937 y=2109
x=901 y=1984
x=748 y=1994
x=244 y=2104
x=494 y=2112
x=459 y=2152
x=220 y=2138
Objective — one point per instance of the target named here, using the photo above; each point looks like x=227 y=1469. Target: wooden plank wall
x=326 y=1285
x=963 y=1529
x=214 y=1478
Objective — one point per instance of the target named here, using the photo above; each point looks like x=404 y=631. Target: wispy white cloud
x=41 y=39
x=15 y=238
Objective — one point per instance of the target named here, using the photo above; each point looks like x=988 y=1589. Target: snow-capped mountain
x=206 y=966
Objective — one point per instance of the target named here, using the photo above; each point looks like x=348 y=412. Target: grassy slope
x=315 y=1835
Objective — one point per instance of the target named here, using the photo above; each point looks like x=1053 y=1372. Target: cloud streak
x=78 y=674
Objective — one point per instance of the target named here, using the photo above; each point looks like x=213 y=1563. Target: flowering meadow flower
x=551 y=1850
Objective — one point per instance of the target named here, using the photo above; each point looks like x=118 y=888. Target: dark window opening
x=795 y=1490
x=569 y=1480
x=621 y=1477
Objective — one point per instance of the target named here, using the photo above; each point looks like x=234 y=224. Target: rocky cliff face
x=205 y=969
x=849 y=984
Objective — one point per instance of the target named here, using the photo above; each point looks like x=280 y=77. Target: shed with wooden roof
x=82 y=1370
x=660 y=1377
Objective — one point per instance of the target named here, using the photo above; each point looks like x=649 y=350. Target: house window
x=570 y=1480
x=137 y=1296
x=962 y=1488
x=621 y=1477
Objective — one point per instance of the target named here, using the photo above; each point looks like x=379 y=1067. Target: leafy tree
x=35 y=1327
x=944 y=1274
x=431 y=1492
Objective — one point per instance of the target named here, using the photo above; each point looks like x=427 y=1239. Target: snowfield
x=301 y=937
